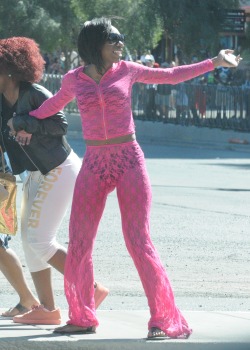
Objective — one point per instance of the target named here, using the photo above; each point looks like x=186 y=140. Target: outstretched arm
x=57 y=102
x=182 y=73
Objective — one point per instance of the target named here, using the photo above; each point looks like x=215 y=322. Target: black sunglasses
x=114 y=38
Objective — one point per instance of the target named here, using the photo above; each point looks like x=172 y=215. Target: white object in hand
x=232 y=59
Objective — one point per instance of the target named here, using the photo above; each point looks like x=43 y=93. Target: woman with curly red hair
x=21 y=57
x=41 y=149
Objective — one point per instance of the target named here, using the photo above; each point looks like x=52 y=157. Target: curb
x=126 y=330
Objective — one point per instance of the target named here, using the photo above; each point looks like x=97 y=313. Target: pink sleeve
x=173 y=75
x=57 y=102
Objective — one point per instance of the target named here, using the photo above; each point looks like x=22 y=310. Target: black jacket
x=48 y=147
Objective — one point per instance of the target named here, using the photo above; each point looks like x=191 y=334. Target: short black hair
x=91 y=40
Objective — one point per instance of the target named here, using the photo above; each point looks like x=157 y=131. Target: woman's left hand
x=23 y=137
x=221 y=59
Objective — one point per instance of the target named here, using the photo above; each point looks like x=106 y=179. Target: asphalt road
x=200 y=224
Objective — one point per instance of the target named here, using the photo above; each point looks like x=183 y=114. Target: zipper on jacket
x=103 y=119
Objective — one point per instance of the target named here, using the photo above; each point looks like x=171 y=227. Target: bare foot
x=100 y=294
x=72 y=329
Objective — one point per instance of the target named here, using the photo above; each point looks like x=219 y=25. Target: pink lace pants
x=104 y=169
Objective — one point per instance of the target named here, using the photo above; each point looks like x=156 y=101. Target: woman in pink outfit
x=114 y=160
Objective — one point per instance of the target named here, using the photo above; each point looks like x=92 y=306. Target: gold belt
x=121 y=139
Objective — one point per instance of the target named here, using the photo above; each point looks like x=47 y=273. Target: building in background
x=233 y=31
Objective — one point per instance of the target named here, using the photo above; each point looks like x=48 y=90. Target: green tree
x=52 y=23
x=28 y=19
x=194 y=25
x=136 y=18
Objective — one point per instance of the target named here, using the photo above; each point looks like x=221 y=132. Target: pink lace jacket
x=105 y=108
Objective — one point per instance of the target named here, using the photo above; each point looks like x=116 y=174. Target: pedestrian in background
x=246 y=93
x=150 y=107
x=162 y=98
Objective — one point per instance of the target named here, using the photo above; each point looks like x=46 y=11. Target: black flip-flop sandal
x=156 y=334
x=89 y=330
x=20 y=308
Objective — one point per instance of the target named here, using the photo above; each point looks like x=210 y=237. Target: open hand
x=223 y=60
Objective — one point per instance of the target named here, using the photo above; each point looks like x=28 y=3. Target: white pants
x=45 y=201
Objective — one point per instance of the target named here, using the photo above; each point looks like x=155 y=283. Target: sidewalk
x=126 y=330
x=165 y=134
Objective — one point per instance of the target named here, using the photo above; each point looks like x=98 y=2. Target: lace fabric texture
x=104 y=169
x=105 y=108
